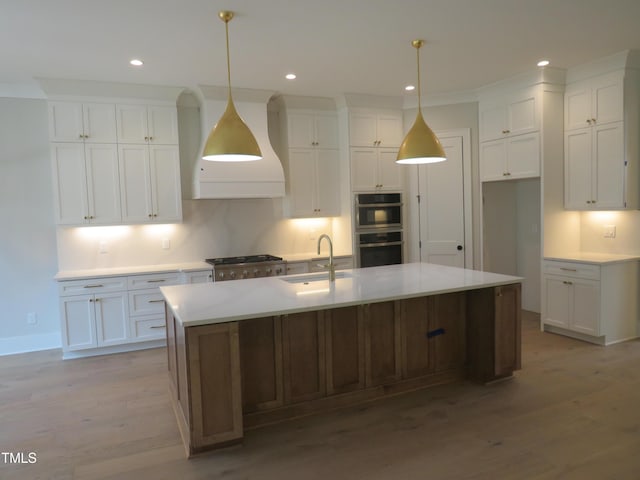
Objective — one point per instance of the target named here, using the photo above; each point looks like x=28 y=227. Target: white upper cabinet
x=150 y=184
x=375 y=129
x=312 y=129
x=375 y=169
x=86 y=184
x=596 y=101
x=512 y=114
x=512 y=158
x=82 y=122
x=147 y=124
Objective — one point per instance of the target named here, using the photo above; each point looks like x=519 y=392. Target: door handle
x=459 y=247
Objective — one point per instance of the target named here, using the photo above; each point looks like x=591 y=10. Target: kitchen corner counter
x=222 y=302
x=594 y=258
x=132 y=270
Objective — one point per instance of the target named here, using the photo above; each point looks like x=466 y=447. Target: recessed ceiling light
x=543 y=63
x=408 y=88
x=136 y=63
x=290 y=76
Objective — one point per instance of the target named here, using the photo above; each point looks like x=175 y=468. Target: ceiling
x=334 y=46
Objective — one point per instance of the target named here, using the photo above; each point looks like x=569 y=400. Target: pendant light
x=420 y=145
x=230 y=140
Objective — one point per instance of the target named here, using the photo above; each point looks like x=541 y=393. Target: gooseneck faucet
x=331 y=266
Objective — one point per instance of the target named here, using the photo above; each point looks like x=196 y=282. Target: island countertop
x=220 y=302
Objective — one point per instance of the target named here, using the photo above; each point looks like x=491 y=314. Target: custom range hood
x=258 y=179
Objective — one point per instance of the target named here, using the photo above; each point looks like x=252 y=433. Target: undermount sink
x=313 y=277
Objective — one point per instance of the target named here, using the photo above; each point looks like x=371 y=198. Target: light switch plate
x=609 y=231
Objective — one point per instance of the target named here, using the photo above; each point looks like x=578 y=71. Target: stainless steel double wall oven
x=378 y=229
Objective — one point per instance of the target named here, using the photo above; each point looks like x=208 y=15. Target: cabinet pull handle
x=156 y=301
x=589 y=121
x=567 y=283
x=158 y=326
x=93 y=286
x=156 y=281
x=568 y=269
x=593 y=120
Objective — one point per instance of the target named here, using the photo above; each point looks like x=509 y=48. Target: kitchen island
x=253 y=352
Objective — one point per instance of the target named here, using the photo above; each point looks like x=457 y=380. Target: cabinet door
x=146 y=302
x=294 y=268
x=261 y=363
x=166 y=194
x=607 y=100
x=326 y=131
x=585 y=305
x=493 y=161
x=577 y=169
x=99 y=121
x=493 y=120
x=390 y=174
x=344 y=330
x=415 y=340
x=382 y=343
x=103 y=183
x=327 y=186
x=301 y=130
x=364 y=176
x=302 y=182
x=577 y=106
x=135 y=183
x=389 y=130
x=523 y=156
x=608 y=181
x=522 y=113
x=303 y=353
x=132 y=124
x=507 y=329
x=65 y=122
x=69 y=183
x=362 y=129
x=557 y=309
x=78 y=322
x=446 y=331
x=112 y=325
x=163 y=125
x=204 y=276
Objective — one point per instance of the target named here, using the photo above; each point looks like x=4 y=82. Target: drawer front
x=146 y=302
x=294 y=268
x=136 y=282
x=94 y=285
x=148 y=327
x=571 y=269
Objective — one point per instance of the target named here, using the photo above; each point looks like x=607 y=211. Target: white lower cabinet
x=596 y=303
x=118 y=310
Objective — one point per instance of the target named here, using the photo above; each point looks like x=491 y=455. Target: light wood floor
x=572 y=412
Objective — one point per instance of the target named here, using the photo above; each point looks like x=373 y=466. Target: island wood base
x=226 y=378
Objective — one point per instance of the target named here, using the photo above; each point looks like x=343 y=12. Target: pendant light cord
x=419 y=89
x=226 y=25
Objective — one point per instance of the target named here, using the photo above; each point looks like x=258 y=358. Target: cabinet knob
x=150 y=138
x=589 y=121
x=155 y=214
x=150 y=215
x=146 y=138
x=593 y=120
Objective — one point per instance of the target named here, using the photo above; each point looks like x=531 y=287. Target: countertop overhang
x=220 y=302
x=133 y=270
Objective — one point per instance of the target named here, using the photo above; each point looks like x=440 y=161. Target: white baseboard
x=29 y=343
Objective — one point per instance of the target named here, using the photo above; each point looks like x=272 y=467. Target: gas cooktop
x=240 y=260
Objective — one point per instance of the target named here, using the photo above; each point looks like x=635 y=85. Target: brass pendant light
x=230 y=140
x=420 y=145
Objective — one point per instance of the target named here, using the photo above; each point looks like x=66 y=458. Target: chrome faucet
x=330 y=266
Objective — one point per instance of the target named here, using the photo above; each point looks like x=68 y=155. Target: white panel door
x=493 y=161
x=135 y=184
x=328 y=183
x=65 y=122
x=608 y=166
x=103 y=183
x=302 y=181
x=364 y=169
x=112 y=319
x=99 y=122
x=577 y=106
x=390 y=174
x=69 y=183
x=166 y=194
x=301 y=131
x=585 y=307
x=362 y=129
x=389 y=130
x=326 y=131
x=78 y=322
x=577 y=169
x=163 y=125
x=523 y=156
x=132 y=124
x=442 y=225
x=558 y=294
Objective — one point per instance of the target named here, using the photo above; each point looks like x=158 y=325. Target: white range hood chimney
x=258 y=179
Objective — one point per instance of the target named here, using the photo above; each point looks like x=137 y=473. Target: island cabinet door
x=493 y=332
x=415 y=337
x=447 y=331
x=261 y=363
x=215 y=393
x=303 y=356
x=344 y=333
x=382 y=343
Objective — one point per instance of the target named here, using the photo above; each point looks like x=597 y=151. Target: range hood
x=258 y=179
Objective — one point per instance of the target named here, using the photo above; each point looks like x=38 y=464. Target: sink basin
x=313 y=277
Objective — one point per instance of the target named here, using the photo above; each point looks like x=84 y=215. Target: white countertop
x=132 y=270
x=594 y=258
x=219 y=302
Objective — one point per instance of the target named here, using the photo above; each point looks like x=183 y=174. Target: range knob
x=232 y=274
x=221 y=275
x=278 y=270
x=268 y=271
x=245 y=274
x=256 y=272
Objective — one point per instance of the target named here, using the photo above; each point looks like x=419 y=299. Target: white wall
x=627 y=239
x=28 y=240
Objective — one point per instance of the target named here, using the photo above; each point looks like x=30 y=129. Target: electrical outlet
x=166 y=244
x=32 y=318
x=609 y=231
x=103 y=247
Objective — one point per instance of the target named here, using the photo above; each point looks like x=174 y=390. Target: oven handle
x=378 y=205
x=385 y=244
x=385 y=227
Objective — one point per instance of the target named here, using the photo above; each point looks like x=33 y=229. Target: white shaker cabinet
x=150 y=183
x=314 y=182
x=595 y=101
x=590 y=301
x=147 y=124
x=86 y=183
x=511 y=114
x=375 y=129
x=82 y=122
x=510 y=158
x=312 y=129
x=375 y=169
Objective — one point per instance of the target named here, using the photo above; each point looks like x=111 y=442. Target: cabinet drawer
x=294 y=268
x=94 y=285
x=570 y=269
x=148 y=327
x=144 y=302
x=136 y=282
